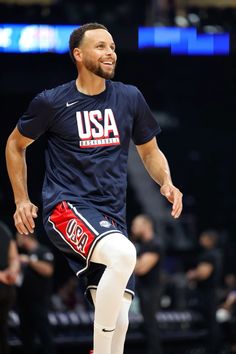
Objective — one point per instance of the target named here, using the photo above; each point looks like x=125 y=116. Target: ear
x=77 y=53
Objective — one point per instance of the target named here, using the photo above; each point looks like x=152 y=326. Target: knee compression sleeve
x=119 y=255
x=116 y=252
x=122 y=323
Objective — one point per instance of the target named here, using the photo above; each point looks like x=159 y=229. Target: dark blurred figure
x=147 y=272
x=9 y=271
x=66 y=298
x=34 y=294
x=226 y=313
x=158 y=12
x=69 y=297
x=206 y=276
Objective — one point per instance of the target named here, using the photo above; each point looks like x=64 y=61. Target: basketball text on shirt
x=97 y=129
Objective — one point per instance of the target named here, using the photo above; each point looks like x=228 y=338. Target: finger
x=30 y=220
x=27 y=218
x=24 y=220
x=176 y=211
x=34 y=211
x=177 y=205
x=20 y=225
x=21 y=228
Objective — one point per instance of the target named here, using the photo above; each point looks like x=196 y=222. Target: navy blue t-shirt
x=87 y=143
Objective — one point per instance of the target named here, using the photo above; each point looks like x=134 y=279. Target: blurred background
x=185 y=67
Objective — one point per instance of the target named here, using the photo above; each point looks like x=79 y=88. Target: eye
x=101 y=46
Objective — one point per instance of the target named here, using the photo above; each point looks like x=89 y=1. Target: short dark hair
x=77 y=35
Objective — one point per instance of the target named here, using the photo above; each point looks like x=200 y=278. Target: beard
x=97 y=70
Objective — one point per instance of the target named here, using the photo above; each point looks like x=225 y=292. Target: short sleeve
x=145 y=125
x=46 y=255
x=207 y=258
x=152 y=247
x=36 y=120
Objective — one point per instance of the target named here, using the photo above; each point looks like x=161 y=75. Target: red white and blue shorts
x=75 y=229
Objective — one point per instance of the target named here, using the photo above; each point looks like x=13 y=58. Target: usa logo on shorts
x=72 y=228
x=105 y=223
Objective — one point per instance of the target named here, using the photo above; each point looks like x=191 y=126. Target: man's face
x=206 y=241
x=137 y=228
x=98 y=53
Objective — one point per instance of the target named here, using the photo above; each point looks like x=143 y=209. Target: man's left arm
x=157 y=166
x=43 y=266
x=146 y=262
x=45 y=269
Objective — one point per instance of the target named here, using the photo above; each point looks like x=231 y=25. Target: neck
x=90 y=86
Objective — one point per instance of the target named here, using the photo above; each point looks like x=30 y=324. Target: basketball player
x=89 y=123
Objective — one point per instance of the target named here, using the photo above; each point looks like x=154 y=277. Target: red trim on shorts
x=72 y=228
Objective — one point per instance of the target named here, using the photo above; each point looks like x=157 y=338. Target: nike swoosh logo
x=68 y=104
x=108 y=330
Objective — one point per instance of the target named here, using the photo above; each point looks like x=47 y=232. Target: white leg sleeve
x=122 y=323
x=119 y=255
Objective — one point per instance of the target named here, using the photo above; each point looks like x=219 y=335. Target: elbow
x=12 y=146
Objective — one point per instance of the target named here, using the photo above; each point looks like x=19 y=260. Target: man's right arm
x=17 y=171
x=202 y=272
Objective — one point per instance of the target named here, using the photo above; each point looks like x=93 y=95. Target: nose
x=109 y=50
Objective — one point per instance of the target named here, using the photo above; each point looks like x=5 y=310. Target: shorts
x=75 y=229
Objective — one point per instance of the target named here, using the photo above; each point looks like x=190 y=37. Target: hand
x=174 y=196
x=24 y=259
x=8 y=277
x=3 y=277
x=12 y=277
x=24 y=217
x=190 y=275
